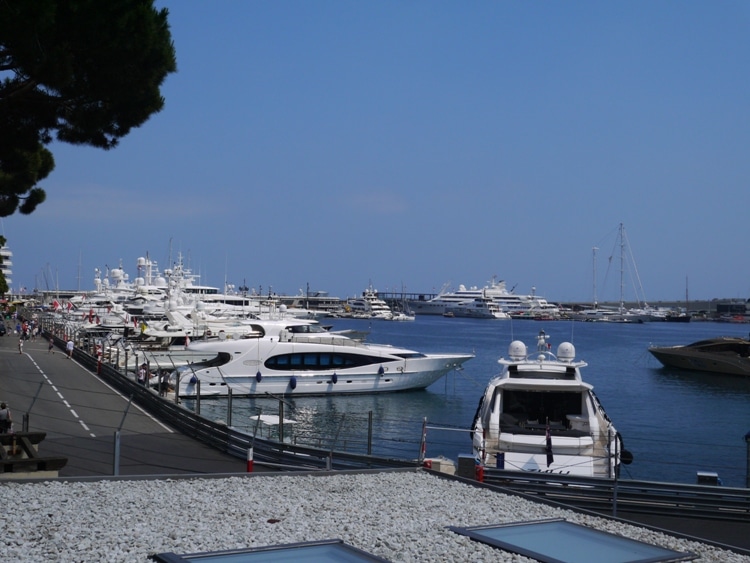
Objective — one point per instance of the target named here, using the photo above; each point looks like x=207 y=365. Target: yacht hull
x=729 y=356
x=294 y=368
x=325 y=383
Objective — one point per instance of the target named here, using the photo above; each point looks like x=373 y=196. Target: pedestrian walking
x=51 y=346
x=6 y=421
x=69 y=348
x=20 y=345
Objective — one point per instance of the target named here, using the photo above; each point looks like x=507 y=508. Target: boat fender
x=293 y=383
x=381 y=371
x=258 y=376
x=334 y=378
x=193 y=380
x=626 y=456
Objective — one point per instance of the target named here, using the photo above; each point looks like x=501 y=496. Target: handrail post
x=116 y=455
x=423 y=442
x=369 y=433
x=747 y=475
x=229 y=406
x=614 y=488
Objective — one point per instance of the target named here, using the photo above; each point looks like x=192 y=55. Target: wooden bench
x=19 y=455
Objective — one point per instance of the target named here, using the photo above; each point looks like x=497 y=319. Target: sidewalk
x=80 y=415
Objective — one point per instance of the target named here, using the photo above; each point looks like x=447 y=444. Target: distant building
x=737 y=307
x=6 y=266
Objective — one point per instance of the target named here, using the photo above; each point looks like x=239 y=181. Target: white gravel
x=400 y=516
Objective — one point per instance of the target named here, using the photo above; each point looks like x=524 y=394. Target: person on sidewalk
x=51 y=346
x=6 y=421
x=69 y=348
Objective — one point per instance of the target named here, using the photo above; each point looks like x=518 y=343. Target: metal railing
x=224 y=438
x=606 y=496
x=618 y=495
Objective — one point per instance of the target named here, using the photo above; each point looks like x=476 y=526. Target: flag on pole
x=550 y=457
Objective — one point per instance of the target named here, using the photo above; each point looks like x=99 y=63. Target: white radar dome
x=517 y=350
x=566 y=352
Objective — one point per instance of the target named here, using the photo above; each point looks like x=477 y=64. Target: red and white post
x=250 y=460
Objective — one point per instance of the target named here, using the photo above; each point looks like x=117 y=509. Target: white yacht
x=507 y=301
x=295 y=357
x=538 y=415
x=369 y=306
x=476 y=308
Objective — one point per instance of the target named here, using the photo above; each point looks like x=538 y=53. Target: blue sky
x=413 y=144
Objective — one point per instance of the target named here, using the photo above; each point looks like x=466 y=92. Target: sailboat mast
x=594 y=270
x=622 y=269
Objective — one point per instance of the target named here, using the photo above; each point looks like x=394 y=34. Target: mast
x=622 y=270
x=594 y=249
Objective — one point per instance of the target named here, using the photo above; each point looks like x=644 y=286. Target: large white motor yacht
x=531 y=305
x=293 y=357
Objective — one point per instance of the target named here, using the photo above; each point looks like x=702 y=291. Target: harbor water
x=676 y=423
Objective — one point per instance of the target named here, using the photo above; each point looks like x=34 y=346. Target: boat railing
x=332 y=340
x=223 y=436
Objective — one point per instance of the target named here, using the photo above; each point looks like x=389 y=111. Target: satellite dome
x=566 y=352
x=517 y=350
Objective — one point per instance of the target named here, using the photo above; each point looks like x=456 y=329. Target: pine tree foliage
x=80 y=71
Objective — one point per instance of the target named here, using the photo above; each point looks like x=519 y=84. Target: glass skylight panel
x=333 y=551
x=560 y=541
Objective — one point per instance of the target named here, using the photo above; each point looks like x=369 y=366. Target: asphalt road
x=81 y=415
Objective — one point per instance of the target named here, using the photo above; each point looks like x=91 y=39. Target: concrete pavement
x=80 y=415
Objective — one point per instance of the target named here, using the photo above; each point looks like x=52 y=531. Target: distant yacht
x=369 y=306
x=510 y=303
x=477 y=308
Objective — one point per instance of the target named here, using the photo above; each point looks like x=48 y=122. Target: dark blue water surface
x=675 y=423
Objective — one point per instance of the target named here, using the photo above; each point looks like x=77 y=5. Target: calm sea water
x=674 y=422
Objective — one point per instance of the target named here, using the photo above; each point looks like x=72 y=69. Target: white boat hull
x=408 y=374
x=300 y=358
